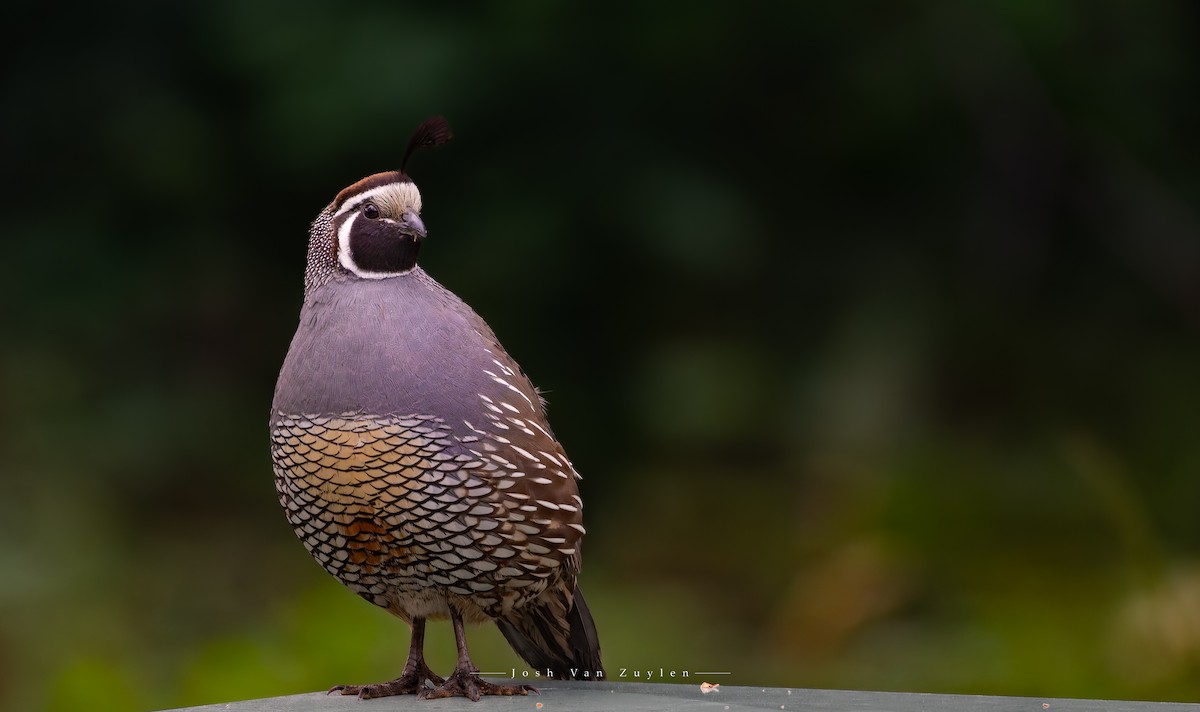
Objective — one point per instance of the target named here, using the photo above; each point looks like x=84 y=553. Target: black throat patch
x=379 y=246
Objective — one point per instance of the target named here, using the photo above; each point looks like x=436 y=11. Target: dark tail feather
x=556 y=635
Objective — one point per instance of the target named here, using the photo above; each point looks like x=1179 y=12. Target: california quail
x=413 y=456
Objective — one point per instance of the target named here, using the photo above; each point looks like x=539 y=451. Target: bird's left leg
x=412 y=680
x=465 y=680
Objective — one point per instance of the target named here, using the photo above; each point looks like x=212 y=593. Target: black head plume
x=434 y=131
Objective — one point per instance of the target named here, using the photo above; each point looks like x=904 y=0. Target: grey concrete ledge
x=559 y=696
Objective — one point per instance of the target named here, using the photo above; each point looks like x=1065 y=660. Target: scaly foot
x=410 y=682
x=467 y=683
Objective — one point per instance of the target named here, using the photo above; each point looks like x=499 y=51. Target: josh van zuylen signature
x=625 y=673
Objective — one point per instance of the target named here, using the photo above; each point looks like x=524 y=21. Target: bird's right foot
x=467 y=683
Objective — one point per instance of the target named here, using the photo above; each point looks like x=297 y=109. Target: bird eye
x=371 y=211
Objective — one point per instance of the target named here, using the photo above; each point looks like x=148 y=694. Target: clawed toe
x=407 y=684
x=471 y=686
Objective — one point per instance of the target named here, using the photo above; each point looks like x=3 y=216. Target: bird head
x=373 y=228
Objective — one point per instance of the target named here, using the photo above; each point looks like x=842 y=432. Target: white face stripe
x=396 y=196
x=344 y=257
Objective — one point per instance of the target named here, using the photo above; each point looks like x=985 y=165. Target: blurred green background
x=872 y=326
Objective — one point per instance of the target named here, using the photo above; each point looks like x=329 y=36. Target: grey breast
x=403 y=345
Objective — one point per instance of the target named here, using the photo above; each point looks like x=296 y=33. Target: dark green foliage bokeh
x=873 y=328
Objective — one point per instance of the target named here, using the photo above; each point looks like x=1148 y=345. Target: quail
x=413 y=457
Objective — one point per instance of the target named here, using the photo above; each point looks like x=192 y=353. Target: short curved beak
x=410 y=224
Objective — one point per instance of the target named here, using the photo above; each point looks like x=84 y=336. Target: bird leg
x=411 y=681
x=465 y=680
